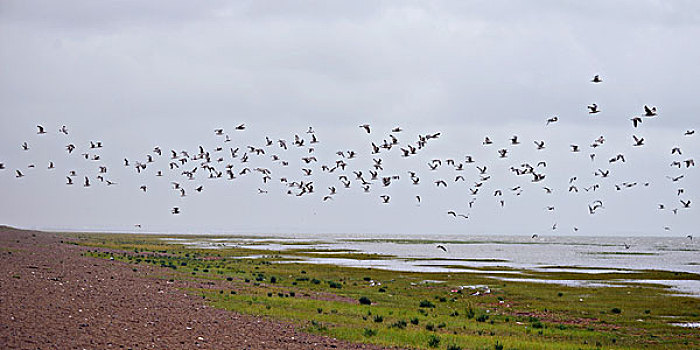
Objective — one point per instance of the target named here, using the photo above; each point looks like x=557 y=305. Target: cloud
x=140 y=74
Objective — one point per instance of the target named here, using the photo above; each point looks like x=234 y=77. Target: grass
x=341 y=302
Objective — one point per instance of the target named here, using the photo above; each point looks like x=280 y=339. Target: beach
x=51 y=297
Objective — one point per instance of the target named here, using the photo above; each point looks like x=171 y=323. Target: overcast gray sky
x=137 y=74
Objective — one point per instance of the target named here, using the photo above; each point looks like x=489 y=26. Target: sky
x=136 y=75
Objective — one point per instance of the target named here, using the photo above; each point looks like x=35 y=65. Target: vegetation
x=346 y=303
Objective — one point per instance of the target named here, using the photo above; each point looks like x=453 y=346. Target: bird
x=64 y=130
x=87 y=182
x=175 y=210
x=69 y=180
x=19 y=174
x=689 y=132
x=593 y=108
x=385 y=198
x=636 y=121
x=25 y=146
x=440 y=246
x=540 y=145
x=638 y=141
x=596 y=79
x=239 y=127
x=366 y=127
x=686 y=204
x=649 y=112
x=552 y=120
x=41 y=130
x=676 y=178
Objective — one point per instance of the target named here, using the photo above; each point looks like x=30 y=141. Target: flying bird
x=638 y=141
x=596 y=79
x=649 y=112
x=593 y=108
x=636 y=121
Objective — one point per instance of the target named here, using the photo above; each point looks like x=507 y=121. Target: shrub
x=400 y=324
x=368 y=332
x=378 y=319
x=454 y=347
x=335 y=285
x=433 y=341
x=498 y=346
x=426 y=303
x=273 y=279
x=482 y=318
x=537 y=325
x=365 y=301
x=429 y=327
x=315 y=281
x=414 y=320
x=616 y=310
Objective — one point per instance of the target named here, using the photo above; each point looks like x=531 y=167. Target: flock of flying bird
x=227 y=162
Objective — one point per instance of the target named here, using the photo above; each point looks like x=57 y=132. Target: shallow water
x=497 y=255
